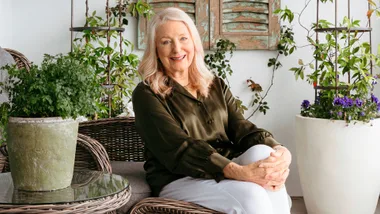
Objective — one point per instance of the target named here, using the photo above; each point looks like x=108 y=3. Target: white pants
x=231 y=196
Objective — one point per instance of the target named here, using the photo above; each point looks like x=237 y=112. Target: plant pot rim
x=40 y=120
x=335 y=121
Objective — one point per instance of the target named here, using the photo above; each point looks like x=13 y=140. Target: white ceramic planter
x=339 y=165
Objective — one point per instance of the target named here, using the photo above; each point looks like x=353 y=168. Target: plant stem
x=268 y=89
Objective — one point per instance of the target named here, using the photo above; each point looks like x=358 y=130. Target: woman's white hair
x=151 y=69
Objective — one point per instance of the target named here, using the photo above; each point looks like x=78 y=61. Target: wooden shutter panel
x=196 y=9
x=250 y=24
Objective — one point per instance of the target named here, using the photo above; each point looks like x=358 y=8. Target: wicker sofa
x=126 y=152
x=116 y=140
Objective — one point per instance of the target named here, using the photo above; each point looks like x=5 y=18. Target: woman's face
x=175 y=47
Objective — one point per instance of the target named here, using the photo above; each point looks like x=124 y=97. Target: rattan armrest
x=3 y=158
x=99 y=155
x=153 y=205
x=20 y=59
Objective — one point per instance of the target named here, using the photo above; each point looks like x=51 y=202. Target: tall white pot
x=339 y=165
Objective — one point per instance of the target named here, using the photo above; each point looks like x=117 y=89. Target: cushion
x=135 y=173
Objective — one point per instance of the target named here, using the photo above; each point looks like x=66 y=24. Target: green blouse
x=185 y=136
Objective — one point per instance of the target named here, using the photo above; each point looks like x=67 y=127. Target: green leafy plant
x=341 y=70
x=286 y=46
x=61 y=87
x=219 y=62
x=110 y=54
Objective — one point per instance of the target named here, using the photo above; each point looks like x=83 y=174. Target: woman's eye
x=183 y=38
x=166 y=42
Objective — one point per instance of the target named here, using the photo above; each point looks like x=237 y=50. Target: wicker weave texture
x=103 y=205
x=91 y=154
x=20 y=59
x=163 y=205
x=118 y=136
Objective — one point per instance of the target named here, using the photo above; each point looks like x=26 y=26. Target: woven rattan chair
x=20 y=59
x=119 y=137
x=90 y=155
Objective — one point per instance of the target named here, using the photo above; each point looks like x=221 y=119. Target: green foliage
x=286 y=46
x=220 y=64
x=61 y=87
x=338 y=57
x=375 y=8
x=111 y=55
x=218 y=60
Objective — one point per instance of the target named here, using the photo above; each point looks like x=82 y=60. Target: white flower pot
x=339 y=165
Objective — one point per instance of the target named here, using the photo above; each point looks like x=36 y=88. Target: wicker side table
x=90 y=192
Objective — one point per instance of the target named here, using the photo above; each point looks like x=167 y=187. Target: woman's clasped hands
x=277 y=168
x=272 y=172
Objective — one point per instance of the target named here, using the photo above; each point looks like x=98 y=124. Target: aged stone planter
x=338 y=165
x=42 y=152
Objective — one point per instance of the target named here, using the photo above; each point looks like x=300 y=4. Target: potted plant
x=337 y=136
x=39 y=120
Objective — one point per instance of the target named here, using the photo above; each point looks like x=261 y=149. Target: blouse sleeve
x=240 y=131
x=173 y=148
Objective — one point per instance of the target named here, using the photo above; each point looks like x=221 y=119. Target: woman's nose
x=176 y=47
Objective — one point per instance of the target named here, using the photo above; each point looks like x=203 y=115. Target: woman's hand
x=280 y=157
x=270 y=173
x=253 y=173
x=275 y=185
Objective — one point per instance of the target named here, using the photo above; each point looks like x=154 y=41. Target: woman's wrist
x=233 y=171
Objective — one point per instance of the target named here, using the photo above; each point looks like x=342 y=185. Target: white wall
x=6 y=23
x=41 y=26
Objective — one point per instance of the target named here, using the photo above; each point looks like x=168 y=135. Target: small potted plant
x=39 y=120
x=337 y=135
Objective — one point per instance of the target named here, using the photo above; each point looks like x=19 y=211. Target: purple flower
x=362 y=113
x=338 y=101
x=378 y=106
x=339 y=113
x=374 y=98
x=347 y=102
x=305 y=104
x=358 y=102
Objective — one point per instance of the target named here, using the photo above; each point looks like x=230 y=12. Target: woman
x=199 y=148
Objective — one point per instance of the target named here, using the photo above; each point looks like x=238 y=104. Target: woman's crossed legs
x=231 y=196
